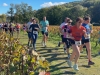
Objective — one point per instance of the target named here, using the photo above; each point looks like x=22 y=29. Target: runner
x=18 y=29
x=6 y=27
x=61 y=32
x=0 y=26
x=24 y=28
x=11 y=30
x=76 y=35
x=66 y=36
x=29 y=32
x=44 y=29
x=34 y=34
x=86 y=41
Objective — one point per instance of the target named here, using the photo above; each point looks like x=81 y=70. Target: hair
x=69 y=20
x=33 y=20
x=78 y=19
x=86 y=18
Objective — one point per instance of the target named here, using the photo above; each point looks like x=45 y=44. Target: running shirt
x=28 y=26
x=63 y=24
x=6 y=27
x=66 y=28
x=91 y=27
x=88 y=31
x=10 y=28
x=77 y=33
x=44 y=25
x=33 y=26
x=18 y=26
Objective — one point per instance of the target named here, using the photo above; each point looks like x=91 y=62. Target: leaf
x=12 y=68
x=31 y=73
x=33 y=60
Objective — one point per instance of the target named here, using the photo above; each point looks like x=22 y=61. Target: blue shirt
x=44 y=24
x=88 y=29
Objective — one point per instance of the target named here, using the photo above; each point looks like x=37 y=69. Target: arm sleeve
x=30 y=27
x=47 y=23
x=38 y=26
x=62 y=27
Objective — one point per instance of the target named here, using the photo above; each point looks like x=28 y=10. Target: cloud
x=5 y=4
x=48 y=4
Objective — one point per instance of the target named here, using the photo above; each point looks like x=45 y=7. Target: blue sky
x=36 y=4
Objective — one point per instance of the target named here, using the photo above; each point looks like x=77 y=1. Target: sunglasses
x=69 y=22
x=80 y=22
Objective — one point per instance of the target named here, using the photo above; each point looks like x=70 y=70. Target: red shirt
x=77 y=33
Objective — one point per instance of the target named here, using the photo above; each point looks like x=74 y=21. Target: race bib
x=88 y=36
x=77 y=43
x=35 y=32
x=46 y=29
x=68 y=36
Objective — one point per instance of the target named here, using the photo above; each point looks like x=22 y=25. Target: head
x=44 y=18
x=34 y=21
x=31 y=19
x=66 y=18
x=79 y=21
x=86 y=20
x=69 y=21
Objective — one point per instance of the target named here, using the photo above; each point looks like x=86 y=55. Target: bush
x=17 y=58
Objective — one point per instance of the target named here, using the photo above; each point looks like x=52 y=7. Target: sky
x=36 y=4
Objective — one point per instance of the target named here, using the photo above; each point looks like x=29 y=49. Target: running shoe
x=91 y=63
x=69 y=63
x=75 y=67
x=68 y=56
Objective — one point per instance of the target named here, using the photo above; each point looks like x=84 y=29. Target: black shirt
x=33 y=26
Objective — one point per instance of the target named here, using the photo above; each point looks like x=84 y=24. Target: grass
x=57 y=58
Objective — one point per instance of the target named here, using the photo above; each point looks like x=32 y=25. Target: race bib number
x=35 y=32
x=77 y=43
x=88 y=36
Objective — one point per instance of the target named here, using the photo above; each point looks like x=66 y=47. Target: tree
x=3 y=18
x=11 y=12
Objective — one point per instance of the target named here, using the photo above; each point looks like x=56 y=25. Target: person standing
x=29 y=32
x=34 y=33
x=44 y=24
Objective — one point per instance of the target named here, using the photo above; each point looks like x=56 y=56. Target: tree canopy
x=22 y=12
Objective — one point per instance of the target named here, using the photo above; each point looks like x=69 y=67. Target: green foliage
x=56 y=14
x=3 y=18
x=15 y=57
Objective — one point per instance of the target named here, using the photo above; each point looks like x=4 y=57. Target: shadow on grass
x=57 y=68
x=95 y=55
x=67 y=73
x=86 y=66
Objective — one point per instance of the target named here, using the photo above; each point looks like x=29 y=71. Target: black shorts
x=46 y=33
x=67 y=42
x=72 y=41
x=85 y=41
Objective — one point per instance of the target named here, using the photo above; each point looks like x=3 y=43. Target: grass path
x=57 y=59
